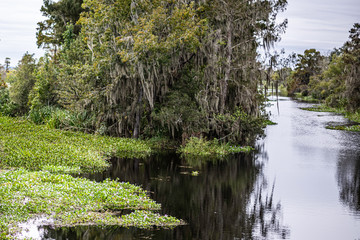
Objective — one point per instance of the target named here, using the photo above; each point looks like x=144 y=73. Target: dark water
x=302 y=183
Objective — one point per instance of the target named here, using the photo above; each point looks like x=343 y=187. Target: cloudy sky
x=320 y=24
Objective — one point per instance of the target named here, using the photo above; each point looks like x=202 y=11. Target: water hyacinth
x=30 y=155
x=73 y=201
x=34 y=147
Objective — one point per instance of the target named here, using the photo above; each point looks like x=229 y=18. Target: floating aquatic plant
x=73 y=201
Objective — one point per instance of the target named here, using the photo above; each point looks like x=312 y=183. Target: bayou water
x=302 y=182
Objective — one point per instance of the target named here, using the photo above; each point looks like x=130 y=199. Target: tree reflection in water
x=348 y=175
x=229 y=199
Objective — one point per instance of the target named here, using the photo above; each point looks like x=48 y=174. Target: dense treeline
x=334 y=79
x=149 y=68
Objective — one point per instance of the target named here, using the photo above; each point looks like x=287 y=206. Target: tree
x=7 y=64
x=308 y=65
x=44 y=91
x=175 y=68
x=23 y=82
x=352 y=59
x=59 y=14
x=330 y=84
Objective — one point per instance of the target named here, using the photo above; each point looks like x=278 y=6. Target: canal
x=302 y=182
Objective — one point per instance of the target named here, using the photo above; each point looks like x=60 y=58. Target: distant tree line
x=334 y=79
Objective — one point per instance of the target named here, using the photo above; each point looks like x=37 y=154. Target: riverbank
x=352 y=116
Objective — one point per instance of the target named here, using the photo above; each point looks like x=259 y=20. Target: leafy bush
x=22 y=83
x=202 y=147
x=7 y=107
x=58 y=118
x=41 y=115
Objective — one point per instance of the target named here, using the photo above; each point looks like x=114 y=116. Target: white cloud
x=18 y=22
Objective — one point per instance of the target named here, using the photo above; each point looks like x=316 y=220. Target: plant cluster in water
x=73 y=201
x=201 y=147
x=34 y=147
x=35 y=156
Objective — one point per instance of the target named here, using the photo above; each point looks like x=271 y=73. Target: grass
x=352 y=116
x=37 y=147
x=73 y=201
x=204 y=148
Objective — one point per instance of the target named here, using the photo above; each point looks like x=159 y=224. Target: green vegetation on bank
x=309 y=99
x=333 y=80
x=70 y=201
x=352 y=116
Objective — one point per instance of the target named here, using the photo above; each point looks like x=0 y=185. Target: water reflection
x=348 y=175
x=229 y=199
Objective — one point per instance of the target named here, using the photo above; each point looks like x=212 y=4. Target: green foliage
x=58 y=118
x=7 y=107
x=308 y=65
x=152 y=68
x=41 y=115
x=352 y=59
x=34 y=147
x=76 y=121
x=283 y=91
x=155 y=67
x=239 y=127
x=73 y=201
x=322 y=108
x=337 y=84
x=23 y=82
x=44 y=91
x=180 y=115
x=204 y=148
x=308 y=99
x=352 y=128
x=58 y=14
x=329 y=85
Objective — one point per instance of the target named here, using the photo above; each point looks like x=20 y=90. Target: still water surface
x=302 y=183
